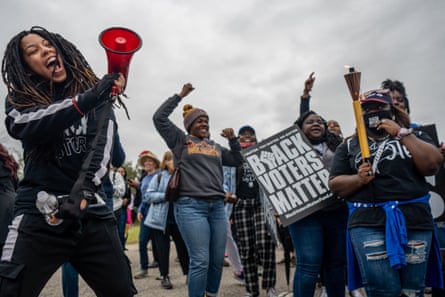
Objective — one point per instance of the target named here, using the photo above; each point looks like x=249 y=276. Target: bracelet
x=403 y=132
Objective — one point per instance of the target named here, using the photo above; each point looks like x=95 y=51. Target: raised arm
x=306 y=97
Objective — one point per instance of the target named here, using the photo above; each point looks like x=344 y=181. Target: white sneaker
x=271 y=293
x=323 y=292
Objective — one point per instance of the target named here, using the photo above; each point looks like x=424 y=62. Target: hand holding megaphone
x=119 y=85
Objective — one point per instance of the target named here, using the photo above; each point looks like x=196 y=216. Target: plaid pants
x=255 y=244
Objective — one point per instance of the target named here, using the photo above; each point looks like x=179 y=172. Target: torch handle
x=361 y=130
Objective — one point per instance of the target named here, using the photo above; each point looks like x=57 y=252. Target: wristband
x=403 y=132
x=74 y=101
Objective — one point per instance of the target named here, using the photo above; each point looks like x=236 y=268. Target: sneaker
x=323 y=292
x=153 y=264
x=271 y=292
x=239 y=276
x=166 y=284
x=141 y=274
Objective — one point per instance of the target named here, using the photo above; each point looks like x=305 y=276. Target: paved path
x=151 y=287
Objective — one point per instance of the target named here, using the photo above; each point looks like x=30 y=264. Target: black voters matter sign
x=291 y=174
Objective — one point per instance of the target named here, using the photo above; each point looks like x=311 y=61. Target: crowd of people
x=375 y=235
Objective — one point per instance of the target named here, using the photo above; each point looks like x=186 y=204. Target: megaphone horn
x=120 y=44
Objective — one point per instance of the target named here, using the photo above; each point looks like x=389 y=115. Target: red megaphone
x=120 y=44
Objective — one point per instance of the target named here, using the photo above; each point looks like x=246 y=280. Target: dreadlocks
x=25 y=90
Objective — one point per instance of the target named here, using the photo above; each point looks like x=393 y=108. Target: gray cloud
x=249 y=59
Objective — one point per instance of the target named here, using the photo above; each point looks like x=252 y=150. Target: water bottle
x=48 y=205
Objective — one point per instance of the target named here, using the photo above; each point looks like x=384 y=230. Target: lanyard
x=378 y=155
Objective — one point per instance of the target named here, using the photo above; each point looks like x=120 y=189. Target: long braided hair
x=27 y=90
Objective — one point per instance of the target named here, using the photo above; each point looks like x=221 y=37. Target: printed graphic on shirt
x=391 y=150
x=202 y=148
x=248 y=177
x=75 y=140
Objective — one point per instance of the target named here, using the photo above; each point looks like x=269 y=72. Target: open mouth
x=53 y=64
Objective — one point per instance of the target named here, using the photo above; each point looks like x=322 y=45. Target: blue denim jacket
x=155 y=196
x=229 y=174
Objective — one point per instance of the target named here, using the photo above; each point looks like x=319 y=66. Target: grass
x=133 y=234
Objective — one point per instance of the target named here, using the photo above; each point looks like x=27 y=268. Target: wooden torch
x=352 y=79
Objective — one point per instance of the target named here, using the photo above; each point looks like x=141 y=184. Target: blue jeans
x=144 y=237
x=440 y=231
x=380 y=279
x=320 y=247
x=203 y=227
x=70 y=281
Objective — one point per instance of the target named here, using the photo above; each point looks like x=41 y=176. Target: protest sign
x=291 y=174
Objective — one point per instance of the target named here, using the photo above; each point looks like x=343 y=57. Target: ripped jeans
x=380 y=279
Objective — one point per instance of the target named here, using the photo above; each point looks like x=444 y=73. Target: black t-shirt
x=396 y=179
x=248 y=186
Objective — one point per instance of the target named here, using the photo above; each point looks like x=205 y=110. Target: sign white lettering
x=291 y=174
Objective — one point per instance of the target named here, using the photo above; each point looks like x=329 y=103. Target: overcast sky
x=248 y=59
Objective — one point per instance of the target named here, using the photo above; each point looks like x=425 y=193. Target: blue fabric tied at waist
x=396 y=233
x=396 y=240
x=395 y=229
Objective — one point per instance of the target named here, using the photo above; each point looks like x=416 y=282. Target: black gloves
x=103 y=87
x=97 y=94
x=76 y=204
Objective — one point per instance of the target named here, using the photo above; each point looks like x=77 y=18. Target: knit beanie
x=190 y=114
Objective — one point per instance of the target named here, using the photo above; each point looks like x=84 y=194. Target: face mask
x=373 y=118
x=247 y=144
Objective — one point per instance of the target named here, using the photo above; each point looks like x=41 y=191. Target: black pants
x=163 y=248
x=34 y=250
x=6 y=212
